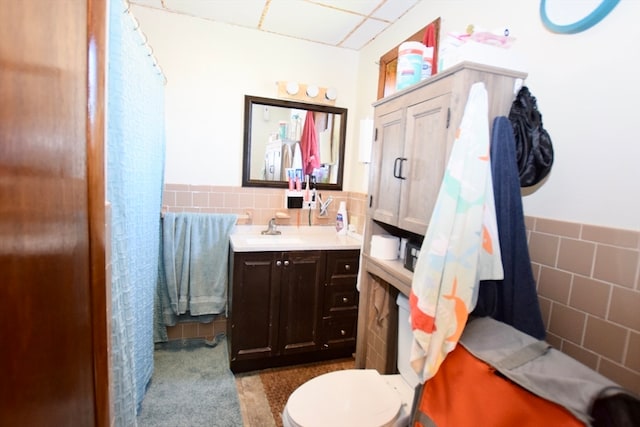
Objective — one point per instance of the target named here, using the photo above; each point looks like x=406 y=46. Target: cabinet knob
x=347 y=267
x=343 y=332
x=278 y=263
x=286 y=263
x=345 y=299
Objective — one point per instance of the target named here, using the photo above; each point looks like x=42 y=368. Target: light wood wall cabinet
x=414 y=132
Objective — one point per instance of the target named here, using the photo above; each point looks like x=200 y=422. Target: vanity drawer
x=343 y=263
x=339 y=331
x=340 y=295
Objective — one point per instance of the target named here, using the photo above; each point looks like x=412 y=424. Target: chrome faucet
x=271 y=228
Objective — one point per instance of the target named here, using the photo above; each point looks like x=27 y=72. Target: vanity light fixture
x=292 y=88
x=307 y=92
x=312 y=91
x=331 y=94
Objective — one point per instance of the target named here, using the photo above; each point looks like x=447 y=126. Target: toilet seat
x=352 y=397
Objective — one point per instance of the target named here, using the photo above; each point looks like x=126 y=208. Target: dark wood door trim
x=96 y=102
x=53 y=311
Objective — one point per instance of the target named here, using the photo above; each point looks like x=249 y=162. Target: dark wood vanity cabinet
x=291 y=307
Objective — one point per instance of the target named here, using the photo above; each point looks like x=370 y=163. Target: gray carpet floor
x=191 y=386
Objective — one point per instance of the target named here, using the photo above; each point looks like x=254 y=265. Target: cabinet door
x=425 y=150
x=388 y=149
x=301 y=304
x=255 y=304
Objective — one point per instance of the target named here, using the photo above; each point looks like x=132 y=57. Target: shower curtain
x=135 y=171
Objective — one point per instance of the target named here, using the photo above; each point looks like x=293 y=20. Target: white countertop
x=248 y=238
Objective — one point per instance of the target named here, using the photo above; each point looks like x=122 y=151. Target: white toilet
x=358 y=397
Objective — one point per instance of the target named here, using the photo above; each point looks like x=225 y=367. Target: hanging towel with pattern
x=461 y=246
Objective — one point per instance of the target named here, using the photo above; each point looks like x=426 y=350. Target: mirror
x=281 y=137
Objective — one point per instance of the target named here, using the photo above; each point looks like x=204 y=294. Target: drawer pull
x=345 y=299
x=343 y=332
x=347 y=267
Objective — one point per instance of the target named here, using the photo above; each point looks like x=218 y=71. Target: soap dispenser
x=342 y=222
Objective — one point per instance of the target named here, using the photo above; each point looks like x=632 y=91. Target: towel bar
x=245 y=218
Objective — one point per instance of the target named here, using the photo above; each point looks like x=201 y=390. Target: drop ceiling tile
x=344 y=23
x=365 y=33
x=393 y=9
x=322 y=24
x=245 y=13
x=362 y=7
x=150 y=3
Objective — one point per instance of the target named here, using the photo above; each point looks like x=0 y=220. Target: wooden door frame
x=95 y=125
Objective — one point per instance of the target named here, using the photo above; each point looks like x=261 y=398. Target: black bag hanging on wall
x=534 y=152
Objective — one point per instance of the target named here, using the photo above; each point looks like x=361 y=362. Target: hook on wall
x=585 y=23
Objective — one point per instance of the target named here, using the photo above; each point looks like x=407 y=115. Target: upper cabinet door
x=425 y=152
x=409 y=155
x=388 y=149
x=416 y=129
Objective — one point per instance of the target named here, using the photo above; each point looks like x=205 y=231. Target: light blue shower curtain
x=135 y=170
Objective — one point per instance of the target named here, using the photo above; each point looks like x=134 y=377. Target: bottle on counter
x=342 y=222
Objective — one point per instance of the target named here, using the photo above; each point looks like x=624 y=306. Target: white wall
x=210 y=67
x=583 y=83
x=586 y=92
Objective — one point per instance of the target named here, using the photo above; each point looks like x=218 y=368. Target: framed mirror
x=286 y=137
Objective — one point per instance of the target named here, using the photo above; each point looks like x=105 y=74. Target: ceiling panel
x=245 y=13
x=362 y=7
x=363 y=34
x=349 y=24
x=328 y=24
x=156 y=4
x=391 y=10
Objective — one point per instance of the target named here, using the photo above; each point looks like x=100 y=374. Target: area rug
x=279 y=383
x=191 y=386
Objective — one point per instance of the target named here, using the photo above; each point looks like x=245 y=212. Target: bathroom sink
x=273 y=240
x=292 y=238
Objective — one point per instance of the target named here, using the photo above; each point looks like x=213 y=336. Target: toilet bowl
x=358 y=397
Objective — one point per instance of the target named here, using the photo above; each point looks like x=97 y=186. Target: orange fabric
x=460 y=311
x=419 y=319
x=468 y=392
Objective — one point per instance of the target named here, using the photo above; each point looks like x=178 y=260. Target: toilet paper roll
x=384 y=246
x=403 y=247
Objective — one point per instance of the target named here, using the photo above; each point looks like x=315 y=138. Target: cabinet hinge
x=370 y=201
x=448 y=117
x=375 y=135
